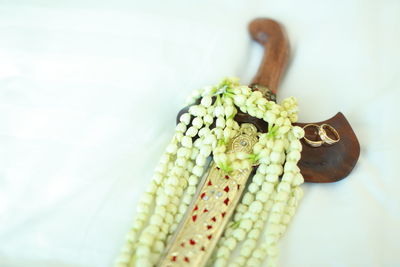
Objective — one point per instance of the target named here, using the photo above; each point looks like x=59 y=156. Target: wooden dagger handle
x=271 y=35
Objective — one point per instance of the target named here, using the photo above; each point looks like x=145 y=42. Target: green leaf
x=235 y=225
x=218 y=101
x=272 y=130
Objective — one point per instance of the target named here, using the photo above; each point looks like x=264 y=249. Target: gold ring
x=324 y=136
x=311 y=142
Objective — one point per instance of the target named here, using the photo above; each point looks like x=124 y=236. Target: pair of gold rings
x=322 y=134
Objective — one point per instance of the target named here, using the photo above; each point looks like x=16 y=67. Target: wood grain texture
x=272 y=36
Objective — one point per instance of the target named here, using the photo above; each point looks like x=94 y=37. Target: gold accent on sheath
x=211 y=209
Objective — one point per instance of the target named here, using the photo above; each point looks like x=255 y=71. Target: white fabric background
x=89 y=91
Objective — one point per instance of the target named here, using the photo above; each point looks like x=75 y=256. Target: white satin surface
x=89 y=91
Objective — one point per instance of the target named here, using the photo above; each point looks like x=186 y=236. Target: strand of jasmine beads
x=152 y=233
x=220 y=156
x=294 y=177
x=144 y=208
x=200 y=155
x=271 y=250
x=184 y=154
x=173 y=187
x=275 y=225
x=290 y=104
x=278 y=204
x=167 y=200
x=199 y=158
x=171 y=199
x=271 y=178
x=253 y=236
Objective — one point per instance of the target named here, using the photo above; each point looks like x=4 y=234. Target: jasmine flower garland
x=269 y=202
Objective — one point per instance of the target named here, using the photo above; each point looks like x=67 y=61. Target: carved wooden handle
x=272 y=36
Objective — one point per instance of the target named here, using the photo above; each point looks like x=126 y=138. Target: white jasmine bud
x=270 y=117
x=284 y=129
x=248 y=198
x=220 y=123
x=291 y=166
x=261 y=101
x=204 y=131
x=293 y=117
x=279 y=121
x=229 y=110
x=192 y=131
x=253 y=188
x=205 y=150
x=198 y=111
x=272 y=178
x=278 y=145
x=239 y=234
x=227 y=133
x=218 y=132
x=275 y=157
x=185 y=118
x=187 y=141
x=267 y=187
x=200 y=160
x=295 y=145
x=294 y=155
x=298 y=179
x=298 y=132
x=197 y=122
x=197 y=170
x=229 y=123
x=262 y=196
x=288 y=177
x=298 y=193
x=252 y=111
x=255 y=207
x=183 y=152
x=172 y=148
x=209 y=139
x=180 y=127
x=239 y=100
x=257 y=148
x=246 y=90
x=219 y=111
x=262 y=168
x=206 y=101
x=208 y=119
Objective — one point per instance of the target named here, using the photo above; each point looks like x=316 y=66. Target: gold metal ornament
x=212 y=206
x=324 y=136
x=312 y=143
